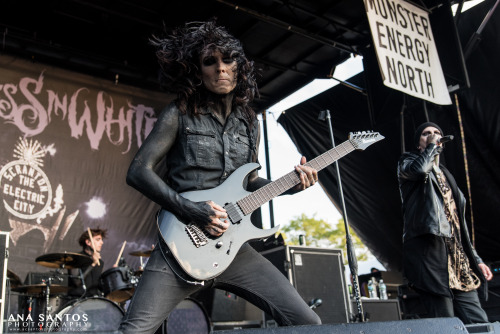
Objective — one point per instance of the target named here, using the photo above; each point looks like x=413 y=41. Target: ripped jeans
x=249 y=276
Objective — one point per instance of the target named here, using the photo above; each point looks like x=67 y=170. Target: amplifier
x=33 y=278
x=495 y=268
x=380 y=310
x=492 y=305
x=228 y=308
x=316 y=273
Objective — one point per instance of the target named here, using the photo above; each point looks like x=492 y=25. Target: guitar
x=203 y=256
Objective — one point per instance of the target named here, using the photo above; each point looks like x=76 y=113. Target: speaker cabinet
x=411 y=305
x=380 y=310
x=230 y=311
x=316 y=273
x=420 y=326
x=492 y=305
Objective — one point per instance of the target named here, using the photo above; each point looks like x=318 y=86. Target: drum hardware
x=141 y=254
x=118 y=283
x=145 y=253
x=33 y=307
x=48 y=289
x=37 y=289
x=45 y=289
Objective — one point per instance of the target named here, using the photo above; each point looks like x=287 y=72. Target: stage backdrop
x=66 y=143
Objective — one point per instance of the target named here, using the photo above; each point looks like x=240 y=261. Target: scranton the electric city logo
x=28 y=197
x=26 y=189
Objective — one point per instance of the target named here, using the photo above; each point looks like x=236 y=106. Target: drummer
x=92 y=272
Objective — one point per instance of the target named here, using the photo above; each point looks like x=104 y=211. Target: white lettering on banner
x=25 y=188
x=406 y=52
x=97 y=116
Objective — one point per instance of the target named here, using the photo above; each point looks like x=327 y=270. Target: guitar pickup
x=196 y=235
x=234 y=213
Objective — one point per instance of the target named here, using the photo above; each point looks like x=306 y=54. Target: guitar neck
x=271 y=190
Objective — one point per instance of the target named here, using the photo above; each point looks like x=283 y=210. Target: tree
x=319 y=233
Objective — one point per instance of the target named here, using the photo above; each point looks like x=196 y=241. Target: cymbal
x=15 y=281
x=36 y=289
x=64 y=260
x=145 y=253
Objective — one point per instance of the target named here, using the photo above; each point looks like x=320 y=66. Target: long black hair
x=178 y=54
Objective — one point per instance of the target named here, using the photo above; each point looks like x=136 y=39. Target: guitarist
x=205 y=135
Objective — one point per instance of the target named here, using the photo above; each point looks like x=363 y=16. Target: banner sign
x=406 y=50
x=67 y=141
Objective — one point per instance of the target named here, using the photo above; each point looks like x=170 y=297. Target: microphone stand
x=351 y=255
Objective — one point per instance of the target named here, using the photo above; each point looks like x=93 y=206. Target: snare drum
x=90 y=314
x=117 y=284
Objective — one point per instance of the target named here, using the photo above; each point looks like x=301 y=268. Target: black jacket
x=423 y=204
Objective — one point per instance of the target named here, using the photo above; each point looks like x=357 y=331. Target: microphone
x=315 y=303
x=445 y=139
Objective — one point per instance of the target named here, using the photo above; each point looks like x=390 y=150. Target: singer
x=440 y=262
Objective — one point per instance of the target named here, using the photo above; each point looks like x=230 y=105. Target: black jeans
x=464 y=305
x=249 y=276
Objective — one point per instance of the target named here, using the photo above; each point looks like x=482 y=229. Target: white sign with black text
x=406 y=50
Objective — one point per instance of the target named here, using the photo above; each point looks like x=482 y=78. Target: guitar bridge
x=196 y=234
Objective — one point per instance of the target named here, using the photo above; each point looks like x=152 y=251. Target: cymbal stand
x=47 y=282
x=30 y=310
x=82 y=279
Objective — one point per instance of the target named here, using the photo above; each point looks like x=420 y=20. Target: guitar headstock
x=363 y=139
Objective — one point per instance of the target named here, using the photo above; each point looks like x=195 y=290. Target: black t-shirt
x=91 y=276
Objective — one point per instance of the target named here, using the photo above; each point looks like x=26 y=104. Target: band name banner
x=67 y=141
x=406 y=50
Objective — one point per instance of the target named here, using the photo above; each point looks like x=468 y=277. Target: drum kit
x=48 y=307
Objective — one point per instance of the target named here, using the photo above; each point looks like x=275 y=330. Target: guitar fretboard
x=271 y=190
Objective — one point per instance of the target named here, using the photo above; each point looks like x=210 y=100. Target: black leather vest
x=207 y=152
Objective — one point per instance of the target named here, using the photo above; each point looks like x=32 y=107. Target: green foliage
x=319 y=233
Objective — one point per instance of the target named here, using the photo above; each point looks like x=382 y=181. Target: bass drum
x=91 y=314
x=189 y=317
x=35 y=307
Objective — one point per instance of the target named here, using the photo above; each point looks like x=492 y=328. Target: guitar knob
x=219 y=244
